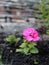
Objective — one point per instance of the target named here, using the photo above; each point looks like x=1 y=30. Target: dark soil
x=21 y=59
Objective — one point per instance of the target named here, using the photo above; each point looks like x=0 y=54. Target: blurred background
x=15 y=15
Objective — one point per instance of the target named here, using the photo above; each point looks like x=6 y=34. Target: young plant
x=29 y=43
x=12 y=39
x=35 y=61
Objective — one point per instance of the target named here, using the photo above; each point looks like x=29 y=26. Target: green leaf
x=34 y=50
x=32 y=44
x=25 y=41
x=8 y=39
x=26 y=50
x=23 y=50
x=11 y=39
x=19 y=50
x=23 y=45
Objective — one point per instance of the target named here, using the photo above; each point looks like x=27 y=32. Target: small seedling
x=12 y=39
x=35 y=61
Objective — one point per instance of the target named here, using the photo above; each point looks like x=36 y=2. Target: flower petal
x=29 y=38
x=36 y=39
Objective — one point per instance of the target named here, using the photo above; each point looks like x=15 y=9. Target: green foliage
x=34 y=50
x=47 y=32
x=12 y=39
x=45 y=11
x=42 y=12
x=28 y=48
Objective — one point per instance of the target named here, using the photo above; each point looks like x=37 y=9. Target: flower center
x=32 y=35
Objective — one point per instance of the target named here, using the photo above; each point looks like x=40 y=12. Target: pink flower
x=31 y=34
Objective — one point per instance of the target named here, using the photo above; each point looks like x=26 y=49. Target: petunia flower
x=30 y=34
